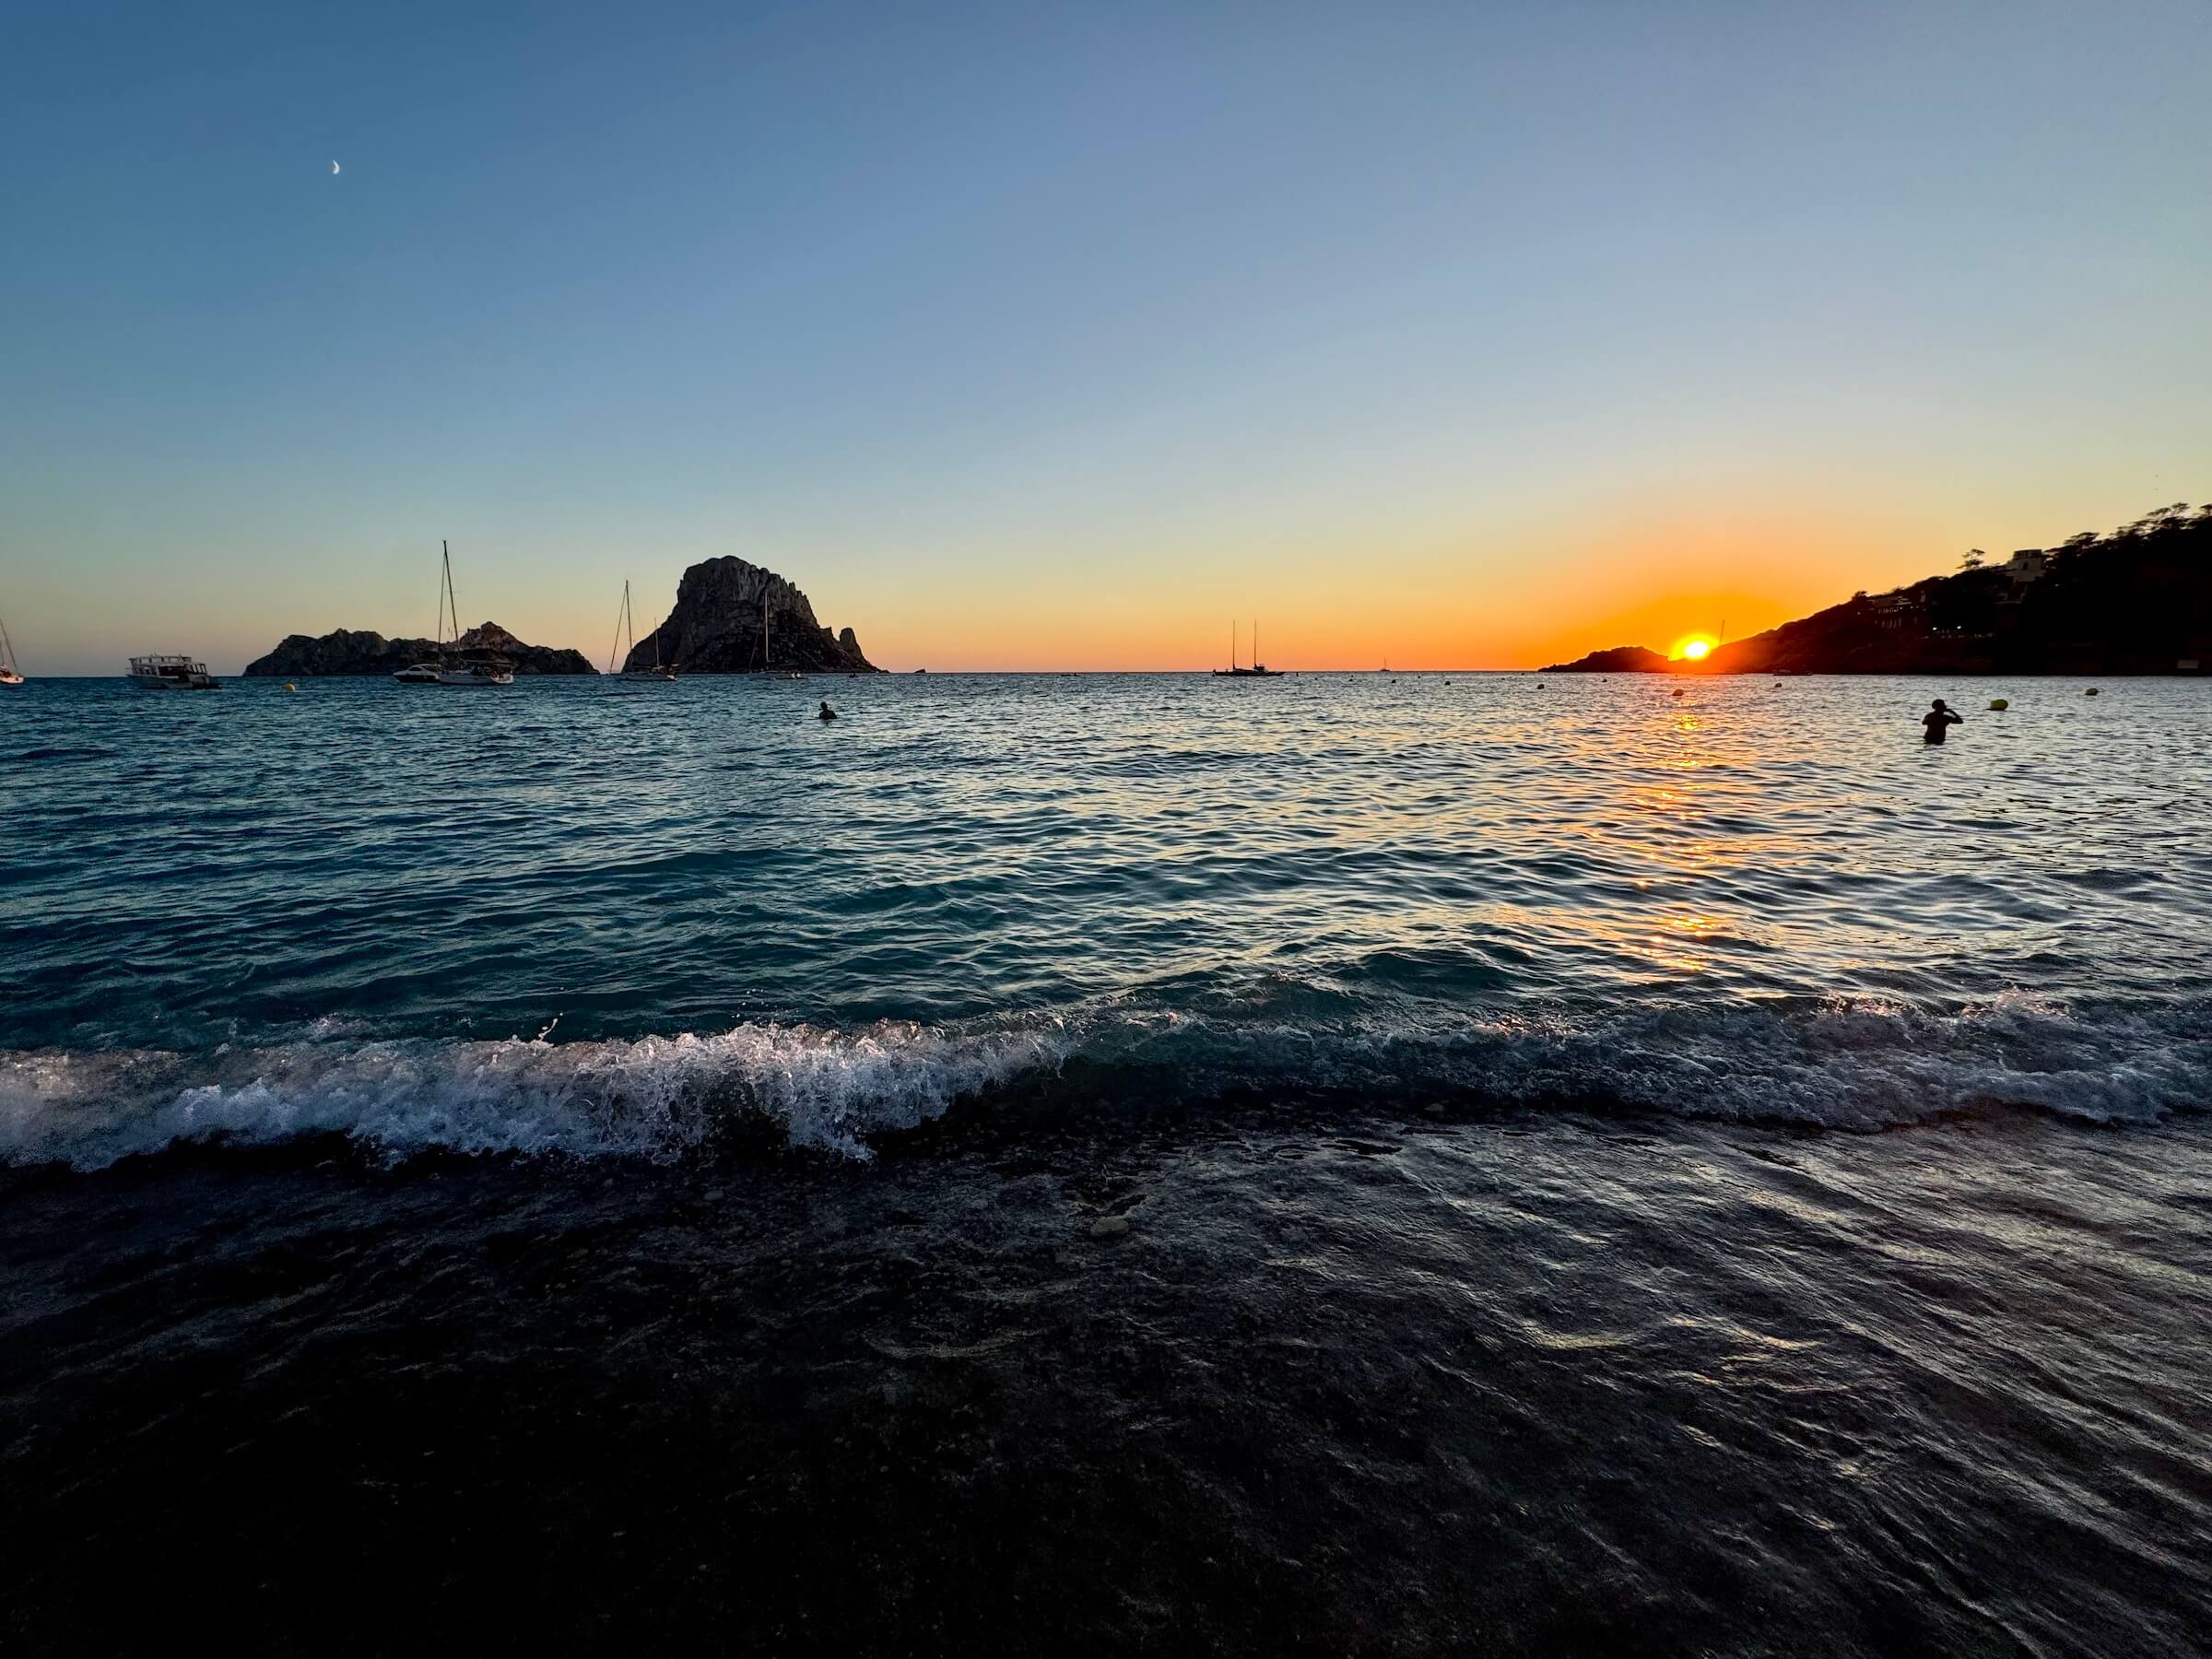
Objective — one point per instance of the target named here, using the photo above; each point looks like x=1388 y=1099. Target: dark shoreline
x=1307 y=1403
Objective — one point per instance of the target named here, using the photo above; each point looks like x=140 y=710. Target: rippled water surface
x=1760 y=898
x=1351 y=1163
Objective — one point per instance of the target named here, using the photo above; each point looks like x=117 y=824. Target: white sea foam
x=656 y=1097
x=1847 y=1065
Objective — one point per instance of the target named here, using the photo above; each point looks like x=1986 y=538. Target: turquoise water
x=1763 y=900
x=1141 y=1165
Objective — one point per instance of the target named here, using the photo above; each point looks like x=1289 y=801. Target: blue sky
x=1027 y=336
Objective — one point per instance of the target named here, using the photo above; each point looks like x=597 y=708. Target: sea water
x=1605 y=1170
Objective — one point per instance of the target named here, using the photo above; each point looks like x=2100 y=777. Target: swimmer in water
x=1938 y=720
x=829 y=714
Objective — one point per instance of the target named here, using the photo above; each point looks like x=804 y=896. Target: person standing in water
x=1938 y=720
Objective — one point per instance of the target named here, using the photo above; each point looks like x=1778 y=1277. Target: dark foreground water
x=588 y=1168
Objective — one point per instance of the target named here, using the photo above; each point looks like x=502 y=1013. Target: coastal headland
x=2136 y=601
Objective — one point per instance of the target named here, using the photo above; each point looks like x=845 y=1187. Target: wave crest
x=1837 y=1064
x=656 y=1097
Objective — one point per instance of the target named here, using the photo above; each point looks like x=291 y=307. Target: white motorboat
x=171 y=674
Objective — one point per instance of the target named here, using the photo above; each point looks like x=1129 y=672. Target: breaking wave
x=1840 y=1065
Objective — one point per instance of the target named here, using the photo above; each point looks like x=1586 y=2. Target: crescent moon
x=333 y=169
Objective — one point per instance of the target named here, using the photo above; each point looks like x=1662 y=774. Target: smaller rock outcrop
x=351 y=652
x=1620 y=659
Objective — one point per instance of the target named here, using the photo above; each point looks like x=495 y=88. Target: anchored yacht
x=1258 y=670
x=626 y=628
x=451 y=674
x=171 y=674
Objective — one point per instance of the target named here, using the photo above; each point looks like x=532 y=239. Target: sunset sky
x=1024 y=336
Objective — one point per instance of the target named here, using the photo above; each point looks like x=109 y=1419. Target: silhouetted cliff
x=2139 y=601
x=717 y=626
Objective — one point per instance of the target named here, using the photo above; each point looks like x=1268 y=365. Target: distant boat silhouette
x=625 y=624
x=767 y=672
x=1258 y=670
x=9 y=674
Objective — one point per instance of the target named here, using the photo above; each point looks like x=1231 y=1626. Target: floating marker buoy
x=1678 y=690
x=1999 y=704
x=289 y=686
x=2091 y=692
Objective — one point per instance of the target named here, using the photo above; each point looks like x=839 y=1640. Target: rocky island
x=1619 y=659
x=2138 y=601
x=299 y=656
x=736 y=618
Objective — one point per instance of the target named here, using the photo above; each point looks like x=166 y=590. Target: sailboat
x=9 y=674
x=1258 y=670
x=1233 y=669
x=462 y=674
x=766 y=672
x=624 y=625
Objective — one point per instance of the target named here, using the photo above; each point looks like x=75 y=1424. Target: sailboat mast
x=451 y=604
x=764 y=633
x=1255 y=641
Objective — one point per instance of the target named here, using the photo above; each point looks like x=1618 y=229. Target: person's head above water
x=1936 y=704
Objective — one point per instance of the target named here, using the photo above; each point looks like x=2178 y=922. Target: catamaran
x=455 y=674
x=626 y=627
x=9 y=674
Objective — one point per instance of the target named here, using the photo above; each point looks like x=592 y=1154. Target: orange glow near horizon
x=1518 y=598
x=1461 y=593
x=1693 y=649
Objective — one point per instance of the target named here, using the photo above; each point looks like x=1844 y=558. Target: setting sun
x=1694 y=648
